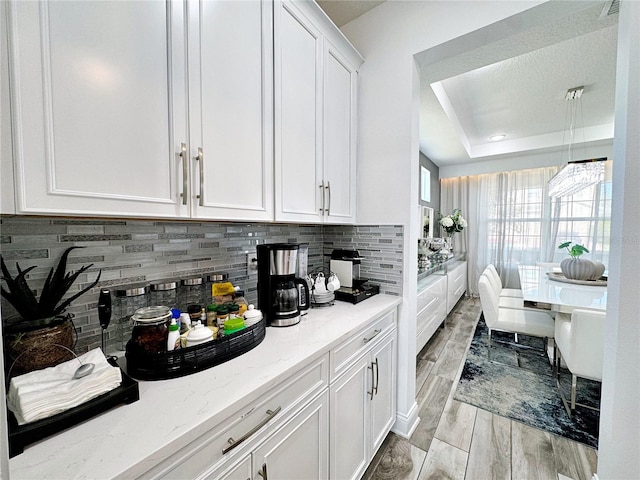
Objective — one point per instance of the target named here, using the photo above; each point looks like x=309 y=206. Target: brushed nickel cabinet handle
x=263 y=471
x=376 y=332
x=328 y=187
x=234 y=443
x=321 y=187
x=185 y=173
x=372 y=392
x=375 y=389
x=200 y=159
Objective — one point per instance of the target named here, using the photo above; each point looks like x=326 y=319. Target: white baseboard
x=405 y=425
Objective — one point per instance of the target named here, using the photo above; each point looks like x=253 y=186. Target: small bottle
x=222 y=314
x=211 y=315
x=173 y=339
x=185 y=322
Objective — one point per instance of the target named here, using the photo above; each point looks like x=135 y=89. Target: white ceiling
x=514 y=87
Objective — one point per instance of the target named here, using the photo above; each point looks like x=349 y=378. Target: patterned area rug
x=527 y=393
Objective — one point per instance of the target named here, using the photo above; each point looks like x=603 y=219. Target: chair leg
x=574 y=381
x=489 y=346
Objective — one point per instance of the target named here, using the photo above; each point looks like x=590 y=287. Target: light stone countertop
x=128 y=440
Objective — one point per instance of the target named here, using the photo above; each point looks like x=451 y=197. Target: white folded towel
x=43 y=393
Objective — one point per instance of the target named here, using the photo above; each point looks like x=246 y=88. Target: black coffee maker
x=278 y=296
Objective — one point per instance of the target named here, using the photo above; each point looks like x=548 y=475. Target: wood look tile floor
x=455 y=440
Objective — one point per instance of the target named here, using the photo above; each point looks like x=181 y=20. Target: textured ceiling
x=514 y=86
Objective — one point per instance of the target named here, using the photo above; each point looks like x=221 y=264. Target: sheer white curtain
x=509 y=216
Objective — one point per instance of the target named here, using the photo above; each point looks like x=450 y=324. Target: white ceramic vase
x=598 y=270
x=577 y=268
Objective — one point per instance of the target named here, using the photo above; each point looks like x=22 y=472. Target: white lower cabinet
x=456 y=284
x=297 y=450
x=300 y=449
x=431 y=307
x=362 y=408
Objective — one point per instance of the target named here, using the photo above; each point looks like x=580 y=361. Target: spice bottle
x=222 y=314
x=211 y=315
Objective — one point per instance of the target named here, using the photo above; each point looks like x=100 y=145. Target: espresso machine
x=278 y=295
x=345 y=264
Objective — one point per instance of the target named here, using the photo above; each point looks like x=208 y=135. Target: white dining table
x=563 y=297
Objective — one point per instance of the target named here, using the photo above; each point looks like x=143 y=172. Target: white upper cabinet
x=106 y=124
x=339 y=136
x=315 y=117
x=98 y=104
x=231 y=109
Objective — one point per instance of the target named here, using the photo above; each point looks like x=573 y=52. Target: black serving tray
x=23 y=435
x=185 y=361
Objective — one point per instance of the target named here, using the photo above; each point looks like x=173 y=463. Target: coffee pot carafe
x=286 y=299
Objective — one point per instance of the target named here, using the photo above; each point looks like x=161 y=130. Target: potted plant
x=574 y=267
x=32 y=339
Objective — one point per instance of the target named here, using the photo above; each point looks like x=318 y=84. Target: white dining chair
x=491 y=271
x=496 y=285
x=523 y=321
x=579 y=339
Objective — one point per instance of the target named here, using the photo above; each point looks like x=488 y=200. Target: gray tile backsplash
x=141 y=251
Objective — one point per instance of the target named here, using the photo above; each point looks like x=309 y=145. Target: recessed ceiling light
x=495 y=138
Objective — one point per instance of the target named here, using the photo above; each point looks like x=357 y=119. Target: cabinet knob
x=263 y=471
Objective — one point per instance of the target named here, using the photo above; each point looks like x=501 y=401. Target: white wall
x=388 y=149
x=619 y=448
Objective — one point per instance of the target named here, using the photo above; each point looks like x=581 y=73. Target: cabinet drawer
x=428 y=315
x=351 y=349
x=282 y=402
x=436 y=292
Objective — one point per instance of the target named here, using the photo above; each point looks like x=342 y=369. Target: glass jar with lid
x=165 y=293
x=150 y=328
x=128 y=299
x=190 y=292
x=211 y=279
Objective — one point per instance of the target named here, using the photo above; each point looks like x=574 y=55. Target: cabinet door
x=231 y=109
x=339 y=137
x=300 y=449
x=349 y=425
x=99 y=107
x=383 y=404
x=298 y=116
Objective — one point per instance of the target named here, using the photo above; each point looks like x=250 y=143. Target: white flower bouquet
x=454 y=222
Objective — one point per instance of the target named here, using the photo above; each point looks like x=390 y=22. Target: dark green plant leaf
x=19 y=294
x=60 y=308
x=55 y=286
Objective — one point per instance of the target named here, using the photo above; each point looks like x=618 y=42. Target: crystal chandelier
x=575 y=175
